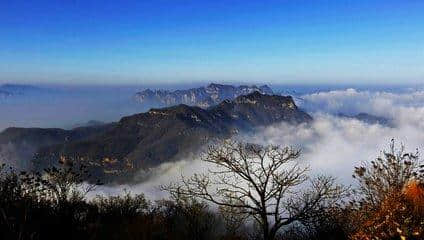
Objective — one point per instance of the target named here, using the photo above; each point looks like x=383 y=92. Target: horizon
x=127 y=90
x=197 y=42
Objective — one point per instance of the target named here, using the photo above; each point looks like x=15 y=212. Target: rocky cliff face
x=203 y=97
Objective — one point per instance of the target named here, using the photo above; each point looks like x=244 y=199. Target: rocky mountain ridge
x=203 y=97
x=145 y=140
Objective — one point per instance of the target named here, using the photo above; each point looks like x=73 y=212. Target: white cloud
x=330 y=144
x=335 y=145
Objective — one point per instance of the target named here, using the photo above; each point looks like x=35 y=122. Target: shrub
x=390 y=197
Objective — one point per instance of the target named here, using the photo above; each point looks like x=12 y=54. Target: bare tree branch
x=259 y=182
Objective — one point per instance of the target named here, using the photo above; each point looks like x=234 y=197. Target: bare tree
x=264 y=183
x=59 y=184
x=68 y=182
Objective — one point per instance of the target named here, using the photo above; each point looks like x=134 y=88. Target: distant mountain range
x=203 y=97
x=145 y=140
x=91 y=123
x=10 y=90
x=368 y=118
x=4 y=94
x=17 y=89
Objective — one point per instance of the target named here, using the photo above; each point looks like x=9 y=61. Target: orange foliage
x=396 y=215
x=414 y=193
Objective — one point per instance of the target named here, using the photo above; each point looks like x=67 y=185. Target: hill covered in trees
x=141 y=141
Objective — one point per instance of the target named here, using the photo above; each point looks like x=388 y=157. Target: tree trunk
x=265 y=228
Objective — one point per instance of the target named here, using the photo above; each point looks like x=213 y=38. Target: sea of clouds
x=330 y=145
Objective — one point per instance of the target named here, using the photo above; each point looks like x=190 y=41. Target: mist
x=330 y=145
x=334 y=145
x=64 y=107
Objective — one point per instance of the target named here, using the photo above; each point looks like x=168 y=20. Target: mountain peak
x=256 y=96
x=156 y=136
x=217 y=85
x=203 y=97
x=260 y=109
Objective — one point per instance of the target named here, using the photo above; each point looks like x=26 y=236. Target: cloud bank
x=331 y=144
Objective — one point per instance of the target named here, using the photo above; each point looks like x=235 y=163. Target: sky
x=184 y=41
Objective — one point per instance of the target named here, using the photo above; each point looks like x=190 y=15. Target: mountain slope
x=148 y=139
x=18 y=145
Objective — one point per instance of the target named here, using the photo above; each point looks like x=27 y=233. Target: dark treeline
x=387 y=203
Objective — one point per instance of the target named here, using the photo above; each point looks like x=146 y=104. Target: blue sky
x=173 y=41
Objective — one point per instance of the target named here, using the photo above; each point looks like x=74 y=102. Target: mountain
x=4 y=94
x=19 y=145
x=91 y=123
x=18 y=89
x=368 y=118
x=203 y=97
x=145 y=140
